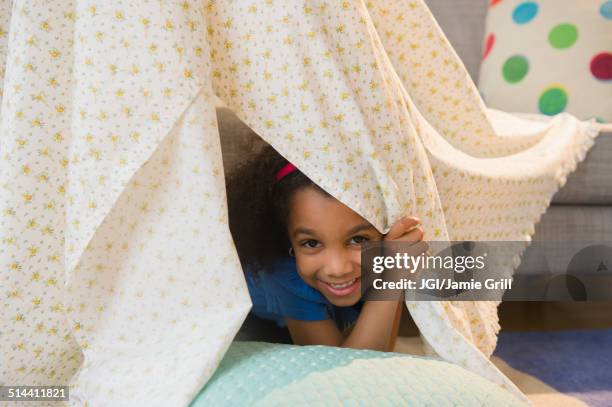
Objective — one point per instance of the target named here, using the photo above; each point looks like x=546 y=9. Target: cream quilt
x=119 y=275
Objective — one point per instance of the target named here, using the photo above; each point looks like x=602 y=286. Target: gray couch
x=581 y=210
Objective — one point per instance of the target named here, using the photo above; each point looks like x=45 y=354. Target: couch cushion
x=562 y=232
x=591 y=183
x=463 y=22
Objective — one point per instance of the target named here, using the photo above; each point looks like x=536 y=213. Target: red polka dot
x=494 y=2
x=601 y=66
x=488 y=45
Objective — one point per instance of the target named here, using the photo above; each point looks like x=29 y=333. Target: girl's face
x=326 y=237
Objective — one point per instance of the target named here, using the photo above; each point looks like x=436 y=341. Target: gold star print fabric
x=120 y=274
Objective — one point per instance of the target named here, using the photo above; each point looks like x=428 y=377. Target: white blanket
x=120 y=275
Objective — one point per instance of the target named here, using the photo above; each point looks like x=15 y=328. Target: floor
x=520 y=316
x=538 y=392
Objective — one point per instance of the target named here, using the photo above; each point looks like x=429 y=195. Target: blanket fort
x=118 y=265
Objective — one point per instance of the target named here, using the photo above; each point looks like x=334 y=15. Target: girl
x=300 y=249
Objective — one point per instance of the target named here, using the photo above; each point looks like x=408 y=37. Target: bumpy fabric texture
x=262 y=374
x=119 y=273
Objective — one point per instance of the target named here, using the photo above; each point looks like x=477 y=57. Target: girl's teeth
x=338 y=286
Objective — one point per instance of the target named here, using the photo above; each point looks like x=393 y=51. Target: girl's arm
x=376 y=328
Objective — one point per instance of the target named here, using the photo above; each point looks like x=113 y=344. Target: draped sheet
x=120 y=276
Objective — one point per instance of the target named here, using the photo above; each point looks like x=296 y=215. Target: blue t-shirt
x=280 y=292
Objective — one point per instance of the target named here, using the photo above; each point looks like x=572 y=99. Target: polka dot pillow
x=549 y=56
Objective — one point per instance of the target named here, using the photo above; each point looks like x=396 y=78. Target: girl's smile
x=343 y=289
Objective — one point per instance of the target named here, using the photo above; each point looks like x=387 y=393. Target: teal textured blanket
x=264 y=374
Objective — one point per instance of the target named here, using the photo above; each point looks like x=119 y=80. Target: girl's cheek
x=356 y=256
x=306 y=266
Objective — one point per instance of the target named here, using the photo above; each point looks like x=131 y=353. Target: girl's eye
x=311 y=243
x=358 y=239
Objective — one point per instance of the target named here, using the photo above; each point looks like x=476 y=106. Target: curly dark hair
x=258 y=207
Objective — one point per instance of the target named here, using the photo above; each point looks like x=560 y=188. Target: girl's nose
x=339 y=266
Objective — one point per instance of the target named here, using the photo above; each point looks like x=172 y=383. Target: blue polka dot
x=525 y=12
x=606 y=9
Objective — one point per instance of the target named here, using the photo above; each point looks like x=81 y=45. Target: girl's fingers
x=408 y=230
x=402 y=227
x=414 y=235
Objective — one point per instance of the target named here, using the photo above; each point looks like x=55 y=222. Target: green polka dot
x=515 y=68
x=552 y=101
x=563 y=36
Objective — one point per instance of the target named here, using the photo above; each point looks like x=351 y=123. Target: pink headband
x=283 y=172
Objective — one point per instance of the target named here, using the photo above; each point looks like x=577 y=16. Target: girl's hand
x=406 y=229
x=378 y=322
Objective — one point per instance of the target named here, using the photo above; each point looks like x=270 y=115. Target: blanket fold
x=119 y=262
